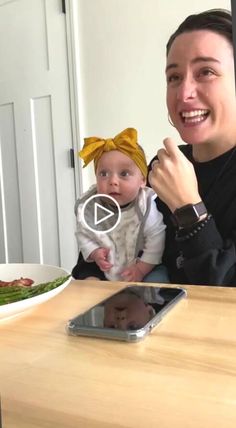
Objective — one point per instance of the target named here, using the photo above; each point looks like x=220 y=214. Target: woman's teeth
x=194 y=116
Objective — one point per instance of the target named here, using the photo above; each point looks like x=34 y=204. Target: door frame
x=75 y=87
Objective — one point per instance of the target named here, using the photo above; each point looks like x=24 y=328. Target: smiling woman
x=196 y=182
x=200 y=91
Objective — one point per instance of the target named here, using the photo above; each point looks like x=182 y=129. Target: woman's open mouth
x=194 y=117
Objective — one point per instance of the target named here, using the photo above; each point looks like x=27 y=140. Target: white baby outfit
x=141 y=228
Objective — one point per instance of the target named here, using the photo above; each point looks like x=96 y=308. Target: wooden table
x=182 y=376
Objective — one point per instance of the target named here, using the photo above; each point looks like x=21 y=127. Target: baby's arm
x=154 y=237
x=100 y=257
x=137 y=271
x=90 y=248
x=154 y=242
x=93 y=253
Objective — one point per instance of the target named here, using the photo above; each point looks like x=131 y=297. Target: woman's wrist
x=189 y=215
x=184 y=234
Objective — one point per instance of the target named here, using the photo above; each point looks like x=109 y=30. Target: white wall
x=122 y=60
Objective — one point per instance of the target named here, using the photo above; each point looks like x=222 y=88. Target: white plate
x=38 y=273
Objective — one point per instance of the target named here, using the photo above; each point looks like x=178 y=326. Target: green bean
x=16 y=293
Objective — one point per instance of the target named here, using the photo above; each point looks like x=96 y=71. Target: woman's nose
x=187 y=90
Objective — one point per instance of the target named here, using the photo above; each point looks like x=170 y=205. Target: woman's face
x=201 y=89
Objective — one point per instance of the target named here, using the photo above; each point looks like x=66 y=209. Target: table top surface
x=182 y=375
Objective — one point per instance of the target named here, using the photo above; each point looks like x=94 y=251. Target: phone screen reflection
x=127 y=315
x=130 y=309
x=127 y=311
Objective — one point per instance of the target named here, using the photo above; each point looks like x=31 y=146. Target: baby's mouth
x=194 y=116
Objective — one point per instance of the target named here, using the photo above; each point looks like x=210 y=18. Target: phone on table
x=128 y=315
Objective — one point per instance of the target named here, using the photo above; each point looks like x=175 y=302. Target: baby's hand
x=132 y=274
x=100 y=257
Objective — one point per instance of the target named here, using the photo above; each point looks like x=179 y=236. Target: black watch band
x=188 y=215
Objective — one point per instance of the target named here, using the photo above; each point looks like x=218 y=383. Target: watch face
x=186 y=216
x=189 y=214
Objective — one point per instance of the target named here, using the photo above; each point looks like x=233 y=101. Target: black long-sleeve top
x=209 y=256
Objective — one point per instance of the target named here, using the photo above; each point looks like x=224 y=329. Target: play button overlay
x=105 y=214
x=101 y=213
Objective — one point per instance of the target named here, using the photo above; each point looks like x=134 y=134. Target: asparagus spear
x=16 y=293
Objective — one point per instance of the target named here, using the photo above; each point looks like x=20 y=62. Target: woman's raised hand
x=173 y=177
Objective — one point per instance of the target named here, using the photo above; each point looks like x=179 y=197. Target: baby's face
x=119 y=177
x=126 y=311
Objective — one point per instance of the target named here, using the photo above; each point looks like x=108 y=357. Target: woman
x=197 y=182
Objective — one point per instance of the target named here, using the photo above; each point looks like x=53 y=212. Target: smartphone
x=128 y=315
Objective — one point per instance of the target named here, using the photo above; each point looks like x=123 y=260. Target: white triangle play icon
x=105 y=210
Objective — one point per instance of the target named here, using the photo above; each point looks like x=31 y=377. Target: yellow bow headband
x=125 y=142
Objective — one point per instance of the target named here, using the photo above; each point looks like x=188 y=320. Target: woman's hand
x=173 y=177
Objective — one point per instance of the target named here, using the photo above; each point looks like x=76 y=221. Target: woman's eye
x=206 y=72
x=173 y=78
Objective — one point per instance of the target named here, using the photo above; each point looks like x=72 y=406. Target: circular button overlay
x=101 y=213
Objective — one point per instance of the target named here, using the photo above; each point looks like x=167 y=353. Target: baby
x=135 y=246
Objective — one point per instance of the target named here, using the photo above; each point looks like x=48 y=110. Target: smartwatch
x=188 y=215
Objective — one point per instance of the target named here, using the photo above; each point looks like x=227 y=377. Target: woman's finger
x=155 y=163
x=171 y=147
x=162 y=155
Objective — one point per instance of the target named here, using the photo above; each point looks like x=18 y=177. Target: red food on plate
x=22 y=282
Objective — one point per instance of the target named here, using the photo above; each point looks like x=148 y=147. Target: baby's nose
x=114 y=179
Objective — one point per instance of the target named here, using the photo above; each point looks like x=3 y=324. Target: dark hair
x=216 y=20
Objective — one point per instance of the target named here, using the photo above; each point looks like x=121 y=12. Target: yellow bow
x=125 y=142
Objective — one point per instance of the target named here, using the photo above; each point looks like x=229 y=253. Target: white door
x=37 y=182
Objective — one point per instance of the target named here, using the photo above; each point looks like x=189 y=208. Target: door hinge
x=63 y=6
x=72 y=158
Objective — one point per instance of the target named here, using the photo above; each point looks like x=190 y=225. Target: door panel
x=45 y=178
x=10 y=220
x=37 y=183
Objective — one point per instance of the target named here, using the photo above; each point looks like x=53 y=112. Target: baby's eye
x=125 y=173
x=103 y=173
